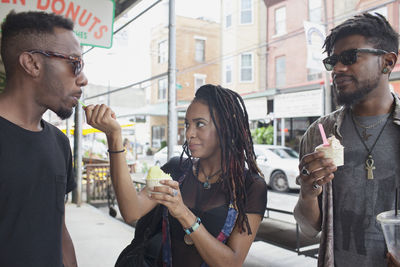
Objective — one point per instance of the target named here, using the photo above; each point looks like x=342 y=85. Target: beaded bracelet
x=194 y=227
x=115 y=152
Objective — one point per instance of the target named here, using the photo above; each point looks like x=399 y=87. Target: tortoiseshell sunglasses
x=77 y=62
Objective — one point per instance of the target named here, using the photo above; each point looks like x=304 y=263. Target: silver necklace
x=364 y=133
x=206 y=184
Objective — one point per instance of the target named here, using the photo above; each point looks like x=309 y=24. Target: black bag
x=144 y=249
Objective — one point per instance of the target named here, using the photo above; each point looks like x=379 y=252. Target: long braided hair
x=227 y=108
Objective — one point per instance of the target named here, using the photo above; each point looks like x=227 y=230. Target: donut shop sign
x=93 y=19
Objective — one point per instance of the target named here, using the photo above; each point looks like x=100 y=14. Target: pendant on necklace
x=207 y=184
x=188 y=240
x=369 y=166
x=365 y=136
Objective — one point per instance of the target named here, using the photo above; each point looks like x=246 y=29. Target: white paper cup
x=336 y=154
x=151 y=183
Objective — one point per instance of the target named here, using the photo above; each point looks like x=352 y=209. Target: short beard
x=64 y=113
x=363 y=89
x=353 y=98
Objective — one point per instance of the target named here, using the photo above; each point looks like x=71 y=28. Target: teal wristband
x=194 y=227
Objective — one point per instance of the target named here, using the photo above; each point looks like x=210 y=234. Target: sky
x=128 y=61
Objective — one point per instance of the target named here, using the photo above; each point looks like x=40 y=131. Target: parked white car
x=279 y=165
x=160 y=157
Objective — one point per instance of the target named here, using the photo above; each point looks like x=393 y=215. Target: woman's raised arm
x=132 y=205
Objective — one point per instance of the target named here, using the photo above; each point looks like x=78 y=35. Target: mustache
x=77 y=94
x=338 y=76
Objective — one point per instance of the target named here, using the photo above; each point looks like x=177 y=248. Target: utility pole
x=172 y=113
x=327 y=80
x=76 y=194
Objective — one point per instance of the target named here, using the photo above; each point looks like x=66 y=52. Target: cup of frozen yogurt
x=334 y=150
x=154 y=176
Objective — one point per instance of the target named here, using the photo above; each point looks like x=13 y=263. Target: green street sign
x=179 y=86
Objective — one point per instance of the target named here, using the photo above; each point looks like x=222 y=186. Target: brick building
x=243 y=54
x=197 y=63
x=297 y=91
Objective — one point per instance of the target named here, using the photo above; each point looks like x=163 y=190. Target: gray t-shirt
x=358 y=237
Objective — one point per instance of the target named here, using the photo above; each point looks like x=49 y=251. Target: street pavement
x=99 y=238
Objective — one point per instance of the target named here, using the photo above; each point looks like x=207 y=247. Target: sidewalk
x=99 y=238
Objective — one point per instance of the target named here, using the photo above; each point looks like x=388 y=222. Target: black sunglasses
x=349 y=57
x=77 y=62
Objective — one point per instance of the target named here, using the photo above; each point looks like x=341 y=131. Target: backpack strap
x=229 y=224
x=227 y=229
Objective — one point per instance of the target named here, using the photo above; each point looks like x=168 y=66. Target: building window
x=200 y=50
x=157 y=136
x=162 y=51
x=246 y=11
x=381 y=10
x=162 y=89
x=280 y=71
x=315 y=10
x=227 y=70
x=313 y=74
x=345 y=8
x=246 y=67
x=350 y=5
x=199 y=80
x=228 y=13
x=280 y=21
x=228 y=73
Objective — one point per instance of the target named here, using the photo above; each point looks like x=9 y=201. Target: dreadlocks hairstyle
x=375 y=28
x=231 y=121
x=27 y=30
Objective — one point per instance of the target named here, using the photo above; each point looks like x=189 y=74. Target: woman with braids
x=216 y=202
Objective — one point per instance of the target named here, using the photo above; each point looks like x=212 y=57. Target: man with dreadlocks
x=216 y=204
x=343 y=202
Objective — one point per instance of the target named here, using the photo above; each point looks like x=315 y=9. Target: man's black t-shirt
x=35 y=175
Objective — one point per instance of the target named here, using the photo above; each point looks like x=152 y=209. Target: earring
x=385 y=70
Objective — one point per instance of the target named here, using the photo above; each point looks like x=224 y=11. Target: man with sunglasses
x=342 y=202
x=43 y=65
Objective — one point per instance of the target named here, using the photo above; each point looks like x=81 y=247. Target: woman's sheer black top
x=211 y=205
